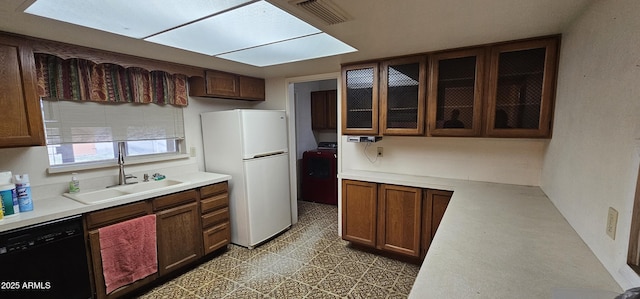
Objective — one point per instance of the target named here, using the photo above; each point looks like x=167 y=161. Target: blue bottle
x=23 y=192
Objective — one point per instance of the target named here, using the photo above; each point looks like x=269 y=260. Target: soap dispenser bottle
x=74 y=185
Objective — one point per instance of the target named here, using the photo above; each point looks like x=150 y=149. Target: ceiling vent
x=324 y=10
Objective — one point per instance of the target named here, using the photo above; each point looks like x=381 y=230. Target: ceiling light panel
x=133 y=18
x=308 y=47
x=249 y=26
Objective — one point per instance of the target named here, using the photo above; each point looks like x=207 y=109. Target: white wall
x=511 y=161
x=592 y=161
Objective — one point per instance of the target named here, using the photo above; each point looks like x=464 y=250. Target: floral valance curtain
x=83 y=80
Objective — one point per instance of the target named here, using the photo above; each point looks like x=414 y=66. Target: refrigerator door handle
x=269 y=154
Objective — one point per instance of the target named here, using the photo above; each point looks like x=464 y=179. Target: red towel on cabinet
x=128 y=251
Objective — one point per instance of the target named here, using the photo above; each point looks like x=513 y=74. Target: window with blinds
x=86 y=132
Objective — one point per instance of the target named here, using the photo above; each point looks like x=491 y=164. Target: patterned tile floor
x=307 y=261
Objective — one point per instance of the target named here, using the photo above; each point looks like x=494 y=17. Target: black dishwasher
x=46 y=260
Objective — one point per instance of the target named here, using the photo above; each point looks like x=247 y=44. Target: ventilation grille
x=324 y=10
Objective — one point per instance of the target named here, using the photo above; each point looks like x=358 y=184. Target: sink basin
x=120 y=192
x=146 y=186
x=97 y=196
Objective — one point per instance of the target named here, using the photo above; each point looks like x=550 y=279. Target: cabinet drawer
x=117 y=214
x=216 y=237
x=214 y=189
x=213 y=203
x=173 y=200
x=214 y=217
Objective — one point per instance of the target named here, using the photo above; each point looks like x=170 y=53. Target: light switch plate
x=612 y=222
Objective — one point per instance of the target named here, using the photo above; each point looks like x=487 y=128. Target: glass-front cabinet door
x=360 y=99
x=521 y=88
x=402 y=96
x=455 y=93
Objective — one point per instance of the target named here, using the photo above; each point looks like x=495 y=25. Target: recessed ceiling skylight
x=303 y=48
x=248 y=26
x=246 y=31
x=132 y=18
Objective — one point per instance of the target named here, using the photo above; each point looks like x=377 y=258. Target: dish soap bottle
x=74 y=185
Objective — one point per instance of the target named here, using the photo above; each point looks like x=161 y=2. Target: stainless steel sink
x=122 y=192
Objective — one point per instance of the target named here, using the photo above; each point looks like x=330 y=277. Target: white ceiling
x=378 y=28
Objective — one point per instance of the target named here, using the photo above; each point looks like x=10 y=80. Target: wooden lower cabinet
x=359 y=210
x=434 y=204
x=399 y=219
x=216 y=229
x=189 y=224
x=396 y=219
x=216 y=237
x=106 y=217
x=178 y=237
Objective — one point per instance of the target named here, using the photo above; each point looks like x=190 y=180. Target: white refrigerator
x=251 y=146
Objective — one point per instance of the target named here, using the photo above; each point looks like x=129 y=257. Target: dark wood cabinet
x=189 y=224
x=216 y=229
x=221 y=84
x=324 y=110
x=455 y=93
x=395 y=219
x=388 y=99
x=251 y=88
x=359 y=212
x=177 y=222
x=399 y=219
x=360 y=99
x=521 y=88
x=227 y=85
x=495 y=90
x=434 y=204
x=402 y=96
x=21 y=123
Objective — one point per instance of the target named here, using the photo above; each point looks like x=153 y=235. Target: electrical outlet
x=379 y=151
x=612 y=222
x=192 y=151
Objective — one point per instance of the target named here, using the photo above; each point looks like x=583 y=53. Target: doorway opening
x=316 y=130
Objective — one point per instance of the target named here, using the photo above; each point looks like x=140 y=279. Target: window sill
x=112 y=163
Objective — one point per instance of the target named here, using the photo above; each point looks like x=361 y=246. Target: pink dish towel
x=128 y=251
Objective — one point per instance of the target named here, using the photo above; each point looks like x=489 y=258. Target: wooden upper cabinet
x=223 y=84
x=251 y=88
x=455 y=93
x=324 y=110
x=360 y=99
x=359 y=212
x=399 y=219
x=402 y=96
x=521 y=88
x=227 y=85
x=21 y=123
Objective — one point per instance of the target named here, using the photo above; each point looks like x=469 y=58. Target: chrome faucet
x=122 y=177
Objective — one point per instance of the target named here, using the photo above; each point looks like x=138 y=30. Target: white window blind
x=90 y=122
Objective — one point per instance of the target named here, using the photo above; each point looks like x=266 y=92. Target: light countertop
x=58 y=206
x=500 y=241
